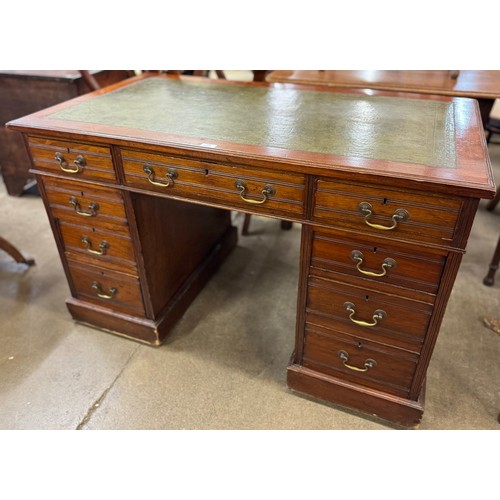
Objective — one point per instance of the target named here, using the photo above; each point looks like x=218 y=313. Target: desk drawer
x=98 y=247
x=360 y=361
x=72 y=159
x=80 y=203
x=258 y=190
x=106 y=288
x=373 y=315
x=387 y=212
x=377 y=263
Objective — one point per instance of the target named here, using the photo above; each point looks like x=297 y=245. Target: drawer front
x=376 y=263
x=386 y=212
x=360 y=361
x=80 y=203
x=95 y=246
x=71 y=159
x=257 y=190
x=373 y=315
x=106 y=288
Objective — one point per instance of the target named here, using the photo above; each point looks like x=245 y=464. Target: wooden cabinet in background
x=26 y=91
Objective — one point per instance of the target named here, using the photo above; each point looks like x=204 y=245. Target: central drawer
x=254 y=189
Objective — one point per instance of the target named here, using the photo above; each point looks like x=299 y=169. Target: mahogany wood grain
x=472 y=175
x=208 y=182
x=176 y=239
x=117 y=248
x=381 y=404
x=154 y=332
x=431 y=218
x=179 y=236
x=109 y=213
x=392 y=370
x=412 y=273
x=126 y=298
x=405 y=322
x=97 y=163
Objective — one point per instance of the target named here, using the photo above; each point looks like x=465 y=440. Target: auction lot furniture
x=138 y=181
x=477 y=84
x=27 y=91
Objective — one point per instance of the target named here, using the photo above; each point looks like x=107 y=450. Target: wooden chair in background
x=15 y=253
x=493 y=127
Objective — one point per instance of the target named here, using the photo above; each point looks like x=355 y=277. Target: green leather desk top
x=374 y=127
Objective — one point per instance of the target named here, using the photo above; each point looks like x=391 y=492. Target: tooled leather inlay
x=375 y=127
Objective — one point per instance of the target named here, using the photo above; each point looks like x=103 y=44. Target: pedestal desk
x=138 y=180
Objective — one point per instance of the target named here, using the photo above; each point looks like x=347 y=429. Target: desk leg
x=321 y=383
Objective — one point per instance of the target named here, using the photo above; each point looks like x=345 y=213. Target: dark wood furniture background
x=26 y=91
x=477 y=84
x=493 y=127
x=9 y=248
x=385 y=189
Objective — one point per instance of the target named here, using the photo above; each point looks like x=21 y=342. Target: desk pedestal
x=154 y=331
x=377 y=403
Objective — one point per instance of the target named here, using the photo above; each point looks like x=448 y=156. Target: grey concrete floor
x=224 y=365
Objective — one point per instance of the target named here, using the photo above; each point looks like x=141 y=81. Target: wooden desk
x=481 y=85
x=138 y=180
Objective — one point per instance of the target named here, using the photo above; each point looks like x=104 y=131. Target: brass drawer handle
x=388 y=263
x=369 y=363
x=267 y=192
x=170 y=176
x=378 y=315
x=103 y=246
x=100 y=292
x=79 y=163
x=400 y=215
x=93 y=208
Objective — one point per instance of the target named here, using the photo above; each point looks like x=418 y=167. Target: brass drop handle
x=79 y=163
x=369 y=363
x=103 y=246
x=171 y=175
x=267 y=192
x=400 y=215
x=388 y=263
x=93 y=208
x=100 y=292
x=378 y=315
